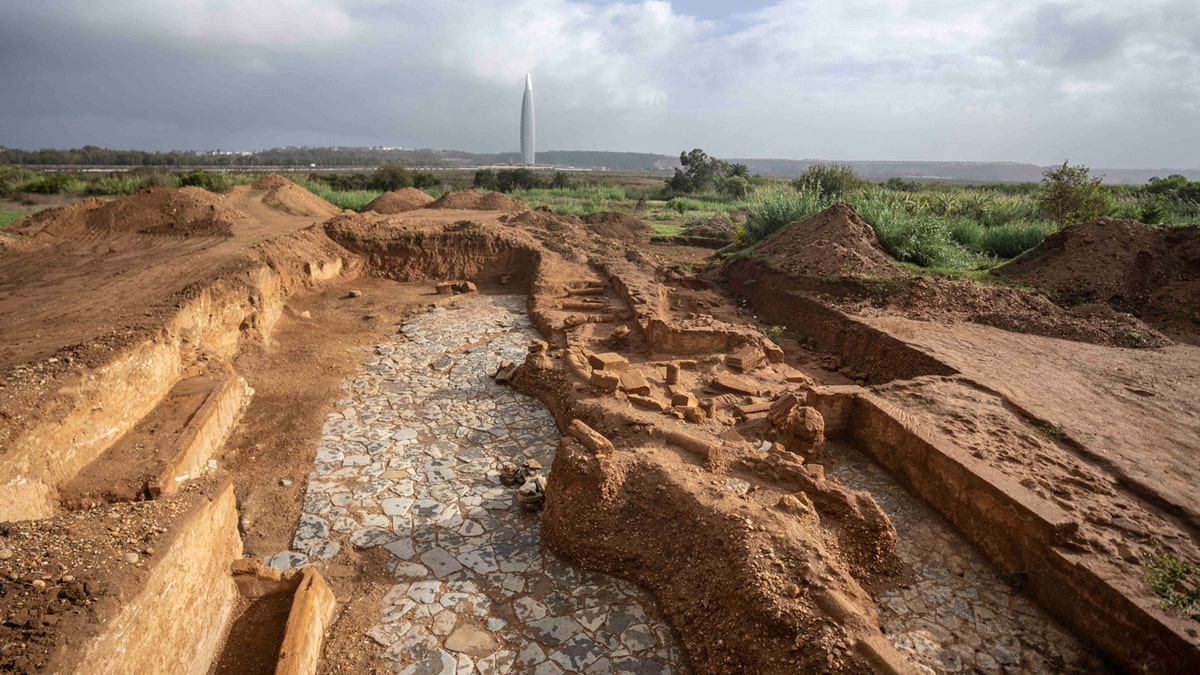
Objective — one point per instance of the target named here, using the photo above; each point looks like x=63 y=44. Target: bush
x=56 y=183
x=1070 y=195
x=12 y=178
x=833 y=181
x=119 y=184
x=213 y=182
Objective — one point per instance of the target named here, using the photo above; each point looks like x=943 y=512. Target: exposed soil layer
x=63 y=578
x=470 y=200
x=126 y=471
x=399 y=201
x=1150 y=271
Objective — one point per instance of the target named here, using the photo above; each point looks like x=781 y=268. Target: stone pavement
x=409 y=463
x=958 y=615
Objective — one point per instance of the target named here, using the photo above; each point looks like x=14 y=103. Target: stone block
x=633 y=382
x=606 y=381
x=610 y=361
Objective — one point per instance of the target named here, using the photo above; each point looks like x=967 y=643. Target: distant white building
x=527 y=140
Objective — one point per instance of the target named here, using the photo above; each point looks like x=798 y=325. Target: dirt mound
x=1018 y=311
x=1151 y=271
x=288 y=197
x=398 y=201
x=186 y=212
x=617 y=225
x=470 y=200
x=834 y=242
x=270 y=181
x=716 y=227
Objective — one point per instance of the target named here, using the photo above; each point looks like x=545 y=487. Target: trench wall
x=1018 y=531
x=881 y=357
x=176 y=622
x=89 y=410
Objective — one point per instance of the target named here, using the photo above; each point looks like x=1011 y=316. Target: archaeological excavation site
x=253 y=433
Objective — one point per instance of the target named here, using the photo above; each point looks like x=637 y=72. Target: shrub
x=219 y=181
x=1070 y=195
x=56 y=183
x=485 y=179
x=834 y=181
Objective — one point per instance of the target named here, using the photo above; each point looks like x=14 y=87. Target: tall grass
x=771 y=210
x=343 y=199
x=911 y=235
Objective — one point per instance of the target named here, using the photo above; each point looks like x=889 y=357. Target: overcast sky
x=1104 y=83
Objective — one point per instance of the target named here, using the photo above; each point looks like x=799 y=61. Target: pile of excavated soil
x=832 y=243
x=1151 y=271
x=398 y=201
x=186 y=212
x=288 y=197
x=617 y=225
x=470 y=200
x=1018 y=311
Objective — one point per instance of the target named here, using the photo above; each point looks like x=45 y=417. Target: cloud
x=1104 y=82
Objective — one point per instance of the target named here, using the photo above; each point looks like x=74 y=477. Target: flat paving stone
x=957 y=614
x=409 y=461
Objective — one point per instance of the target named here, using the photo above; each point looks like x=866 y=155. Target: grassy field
x=949 y=228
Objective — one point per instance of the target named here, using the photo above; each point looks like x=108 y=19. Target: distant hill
x=367 y=157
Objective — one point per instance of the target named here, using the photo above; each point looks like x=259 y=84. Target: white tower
x=527 y=144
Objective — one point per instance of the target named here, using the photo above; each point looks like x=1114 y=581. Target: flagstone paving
x=957 y=615
x=410 y=462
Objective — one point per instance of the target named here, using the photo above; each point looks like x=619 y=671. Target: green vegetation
x=702 y=174
x=830 y=181
x=7 y=217
x=1069 y=195
x=343 y=199
x=1167 y=577
x=958 y=229
x=772 y=210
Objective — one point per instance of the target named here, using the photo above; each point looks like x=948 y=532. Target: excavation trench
x=408 y=463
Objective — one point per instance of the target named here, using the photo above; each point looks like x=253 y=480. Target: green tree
x=1070 y=195
x=391 y=176
x=508 y=180
x=560 y=180
x=485 y=179
x=702 y=171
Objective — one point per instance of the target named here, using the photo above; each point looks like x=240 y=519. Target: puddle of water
x=957 y=615
x=409 y=463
